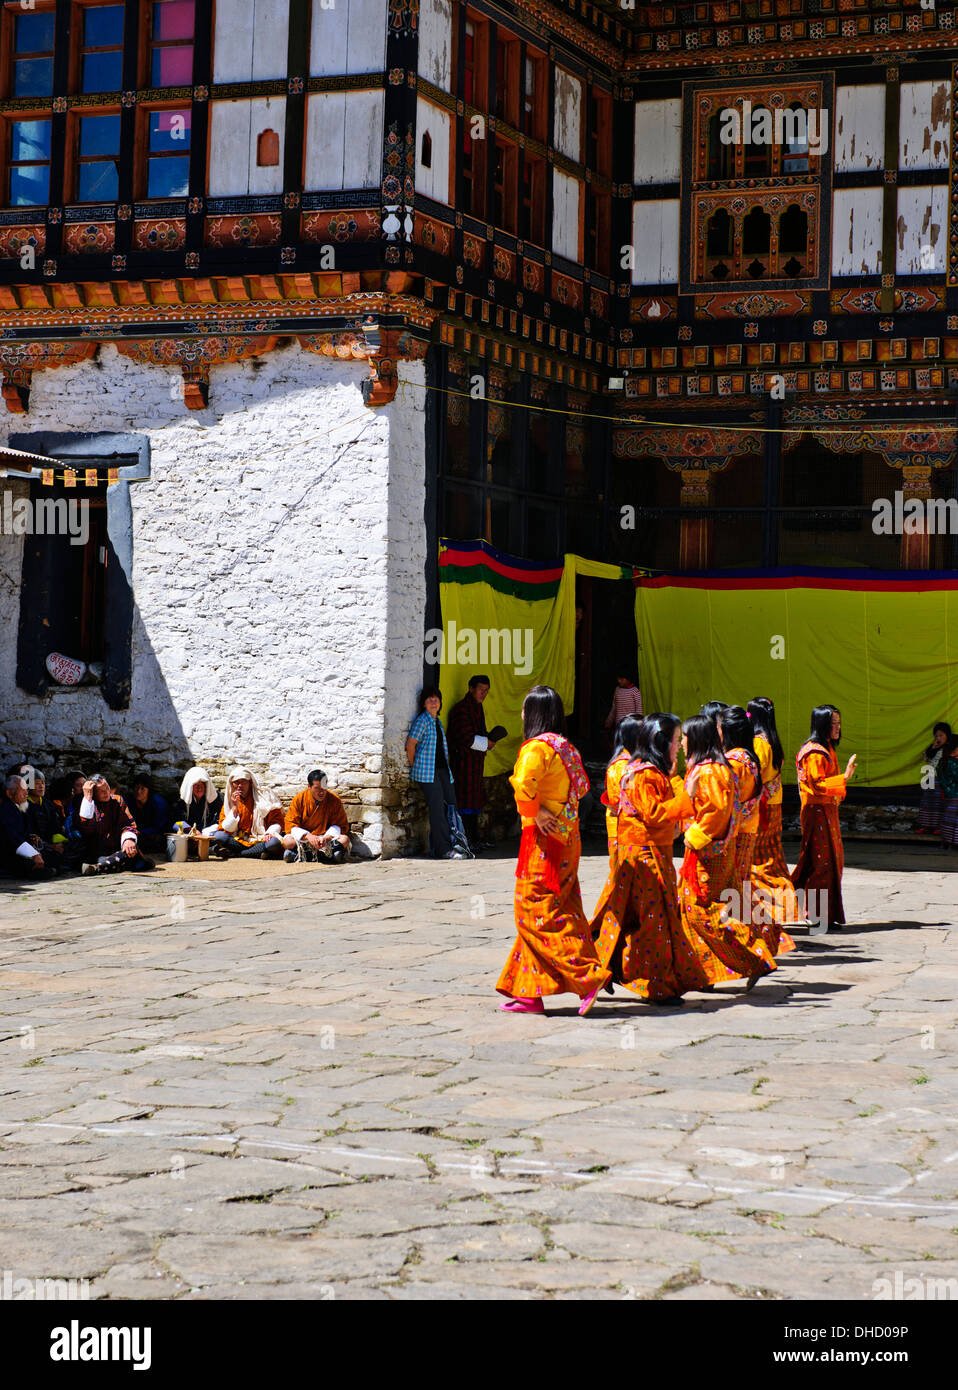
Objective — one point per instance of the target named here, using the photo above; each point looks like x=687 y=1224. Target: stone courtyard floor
x=257 y=1082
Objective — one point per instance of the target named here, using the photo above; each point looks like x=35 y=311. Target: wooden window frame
x=536 y=123
x=144 y=63
x=599 y=153
x=141 y=149
x=11 y=12
x=72 y=160
x=77 y=50
x=508 y=59
x=10 y=119
x=510 y=185
x=537 y=168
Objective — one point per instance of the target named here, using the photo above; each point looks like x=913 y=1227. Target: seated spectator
x=20 y=855
x=151 y=813
x=45 y=820
x=110 y=841
x=251 y=821
x=200 y=803
x=317 y=826
x=68 y=796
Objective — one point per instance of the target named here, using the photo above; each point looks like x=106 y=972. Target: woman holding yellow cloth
x=553 y=952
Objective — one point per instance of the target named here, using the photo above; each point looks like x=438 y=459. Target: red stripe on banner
x=807 y=582
x=468 y=558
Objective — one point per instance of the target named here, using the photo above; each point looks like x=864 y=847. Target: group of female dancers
x=659 y=935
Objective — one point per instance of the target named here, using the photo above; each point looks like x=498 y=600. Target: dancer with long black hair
x=626 y=740
x=771 y=879
x=637 y=923
x=821 y=784
x=736 y=730
x=554 y=952
x=726 y=948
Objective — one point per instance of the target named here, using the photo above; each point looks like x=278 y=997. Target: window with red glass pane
x=171 y=43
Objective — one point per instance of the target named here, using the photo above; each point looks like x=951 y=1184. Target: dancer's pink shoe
x=588 y=1001
x=523 y=1006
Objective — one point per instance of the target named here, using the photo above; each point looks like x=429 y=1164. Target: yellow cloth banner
x=888 y=658
x=516 y=642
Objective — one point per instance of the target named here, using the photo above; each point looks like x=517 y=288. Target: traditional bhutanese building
x=291 y=292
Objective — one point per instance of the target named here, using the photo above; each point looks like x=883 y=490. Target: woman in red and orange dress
x=637 y=923
x=771 y=881
x=821 y=784
x=725 y=948
x=626 y=742
x=554 y=952
x=735 y=727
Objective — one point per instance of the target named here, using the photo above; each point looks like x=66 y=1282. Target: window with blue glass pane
x=168 y=163
x=98 y=178
x=33 y=55
x=102 y=57
x=29 y=163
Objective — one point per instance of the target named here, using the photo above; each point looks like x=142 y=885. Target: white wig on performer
x=263 y=802
x=197 y=774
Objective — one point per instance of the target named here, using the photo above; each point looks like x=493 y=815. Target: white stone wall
x=278 y=576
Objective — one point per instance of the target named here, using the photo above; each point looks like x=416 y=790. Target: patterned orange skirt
x=554 y=952
x=821 y=862
x=638 y=926
x=724 y=947
x=773 y=900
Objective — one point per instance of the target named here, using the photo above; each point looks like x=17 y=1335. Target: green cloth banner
x=513 y=622
x=884 y=650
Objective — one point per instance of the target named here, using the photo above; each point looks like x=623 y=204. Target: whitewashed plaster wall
x=858 y=136
x=350 y=37
x=566 y=204
x=278 y=579
x=655 y=241
x=250 y=40
x=235 y=128
x=568 y=114
x=435 y=42
x=924 y=123
x=344 y=139
x=857 y=231
x=434 y=182
x=658 y=141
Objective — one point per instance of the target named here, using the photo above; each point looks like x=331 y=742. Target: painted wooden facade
x=532 y=197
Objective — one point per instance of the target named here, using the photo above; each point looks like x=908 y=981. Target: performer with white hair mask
x=250 y=822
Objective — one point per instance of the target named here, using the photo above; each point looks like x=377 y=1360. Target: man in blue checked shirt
x=428 y=756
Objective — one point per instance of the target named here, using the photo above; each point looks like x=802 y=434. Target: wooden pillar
x=695 y=540
x=915 y=543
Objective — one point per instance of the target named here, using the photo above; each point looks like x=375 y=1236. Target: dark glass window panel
x=756 y=232
x=462 y=514
x=99 y=135
x=30 y=140
x=581 y=528
x=543 y=531
x=793 y=230
x=172 y=67
x=173 y=19
x=33 y=77
x=34 y=33
x=102 y=72
x=30 y=185
x=540 y=475
x=169 y=130
x=97 y=182
x=168 y=178
x=502 y=514
x=500 y=460
x=103 y=26
x=718 y=235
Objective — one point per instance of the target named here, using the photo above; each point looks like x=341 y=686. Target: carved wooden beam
x=194 y=357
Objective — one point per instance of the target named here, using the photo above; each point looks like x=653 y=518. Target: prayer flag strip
x=90 y=477
x=69 y=477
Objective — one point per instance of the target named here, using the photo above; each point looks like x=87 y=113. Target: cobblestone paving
x=299 y=1085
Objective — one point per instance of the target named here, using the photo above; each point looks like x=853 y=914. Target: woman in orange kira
x=821 y=784
x=626 y=740
x=725 y=948
x=735 y=729
x=553 y=952
x=637 y=923
x=771 y=880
